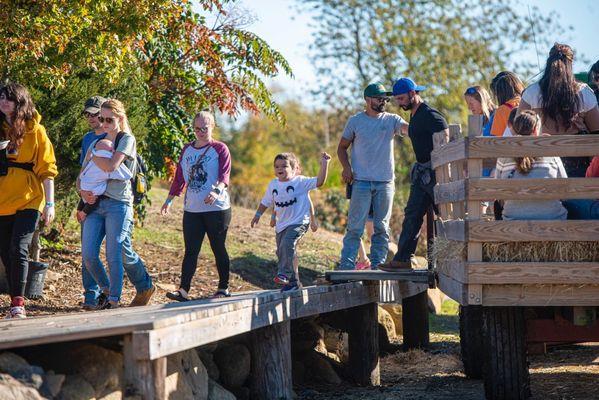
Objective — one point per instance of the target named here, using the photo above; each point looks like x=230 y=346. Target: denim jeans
x=364 y=194
x=420 y=199
x=287 y=249
x=113 y=219
x=582 y=208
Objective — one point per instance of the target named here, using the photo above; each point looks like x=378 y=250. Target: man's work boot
x=396 y=266
x=143 y=298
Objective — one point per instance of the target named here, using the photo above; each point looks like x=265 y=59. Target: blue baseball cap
x=404 y=85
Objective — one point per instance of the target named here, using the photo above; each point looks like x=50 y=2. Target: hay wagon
x=520 y=284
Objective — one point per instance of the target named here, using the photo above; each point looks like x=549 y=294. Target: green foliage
x=160 y=57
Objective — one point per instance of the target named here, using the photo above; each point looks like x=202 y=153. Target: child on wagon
x=288 y=195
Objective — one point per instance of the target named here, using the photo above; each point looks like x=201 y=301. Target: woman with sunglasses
x=479 y=103
x=27 y=171
x=203 y=170
x=113 y=216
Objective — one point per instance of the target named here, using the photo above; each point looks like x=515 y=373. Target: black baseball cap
x=93 y=104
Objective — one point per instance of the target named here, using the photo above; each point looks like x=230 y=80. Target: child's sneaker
x=102 y=301
x=363 y=265
x=281 y=279
x=16 y=312
x=290 y=287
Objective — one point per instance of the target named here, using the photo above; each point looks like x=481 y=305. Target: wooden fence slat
x=452 y=230
x=453 y=151
x=533 y=231
x=541 y=146
x=531 y=189
x=532 y=272
x=451 y=192
x=541 y=295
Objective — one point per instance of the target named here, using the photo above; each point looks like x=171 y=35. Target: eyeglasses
x=108 y=120
x=90 y=115
x=203 y=129
x=471 y=90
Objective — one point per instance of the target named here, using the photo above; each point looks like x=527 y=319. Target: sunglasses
x=108 y=120
x=89 y=115
x=383 y=99
x=471 y=90
x=203 y=129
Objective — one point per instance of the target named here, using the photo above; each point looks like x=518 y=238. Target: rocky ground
x=567 y=372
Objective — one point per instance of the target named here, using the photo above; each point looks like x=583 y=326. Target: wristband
x=168 y=201
x=49 y=204
x=258 y=214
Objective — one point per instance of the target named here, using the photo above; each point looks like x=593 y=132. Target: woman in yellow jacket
x=27 y=170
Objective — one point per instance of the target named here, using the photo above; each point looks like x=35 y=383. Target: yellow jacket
x=21 y=189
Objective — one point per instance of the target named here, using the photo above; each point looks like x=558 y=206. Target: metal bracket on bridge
x=416 y=275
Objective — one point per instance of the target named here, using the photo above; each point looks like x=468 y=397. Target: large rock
x=12 y=389
x=395 y=311
x=53 y=383
x=208 y=361
x=76 y=387
x=305 y=335
x=217 y=392
x=101 y=367
x=435 y=300
x=233 y=364
x=187 y=377
x=387 y=323
x=336 y=342
x=17 y=367
x=319 y=369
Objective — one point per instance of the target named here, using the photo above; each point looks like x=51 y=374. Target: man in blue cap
x=424 y=122
x=370 y=134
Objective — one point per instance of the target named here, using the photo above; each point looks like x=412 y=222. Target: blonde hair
x=207 y=116
x=526 y=124
x=118 y=109
x=481 y=95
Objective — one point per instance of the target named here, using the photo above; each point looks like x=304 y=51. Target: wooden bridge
x=152 y=333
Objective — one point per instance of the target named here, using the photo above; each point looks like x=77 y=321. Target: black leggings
x=16 y=232
x=195 y=226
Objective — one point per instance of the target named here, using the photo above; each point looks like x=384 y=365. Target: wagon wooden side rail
x=460 y=191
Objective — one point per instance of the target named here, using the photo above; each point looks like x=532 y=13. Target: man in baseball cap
x=424 y=122
x=93 y=104
x=369 y=175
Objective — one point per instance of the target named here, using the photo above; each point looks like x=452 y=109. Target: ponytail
x=527 y=123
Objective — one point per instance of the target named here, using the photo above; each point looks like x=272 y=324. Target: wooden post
x=442 y=172
x=271 y=362
x=415 y=321
x=143 y=377
x=474 y=208
x=456 y=170
x=364 y=345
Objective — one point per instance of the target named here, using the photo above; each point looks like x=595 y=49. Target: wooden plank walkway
x=153 y=332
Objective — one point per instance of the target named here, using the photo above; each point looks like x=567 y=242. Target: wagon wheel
x=471 y=340
x=415 y=321
x=505 y=365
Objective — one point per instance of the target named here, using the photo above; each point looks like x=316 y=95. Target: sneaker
x=290 y=287
x=143 y=298
x=363 y=265
x=221 y=293
x=16 y=312
x=111 y=305
x=178 y=295
x=102 y=301
x=281 y=279
x=88 y=306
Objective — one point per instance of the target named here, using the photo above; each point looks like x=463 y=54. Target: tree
x=161 y=57
x=446 y=44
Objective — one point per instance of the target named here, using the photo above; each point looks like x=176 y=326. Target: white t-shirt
x=290 y=200
x=532 y=95
x=95 y=179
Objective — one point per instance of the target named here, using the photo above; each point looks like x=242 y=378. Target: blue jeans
x=364 y=194
x=582 y=208
x=113 y=219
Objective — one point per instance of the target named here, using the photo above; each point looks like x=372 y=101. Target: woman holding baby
x=111 y=212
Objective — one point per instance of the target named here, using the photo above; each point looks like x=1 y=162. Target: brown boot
x=395 y=266
x=143 y=298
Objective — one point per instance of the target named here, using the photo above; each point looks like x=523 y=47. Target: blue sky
x=278 y=22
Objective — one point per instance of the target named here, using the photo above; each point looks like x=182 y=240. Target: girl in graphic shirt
x=203 y=169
